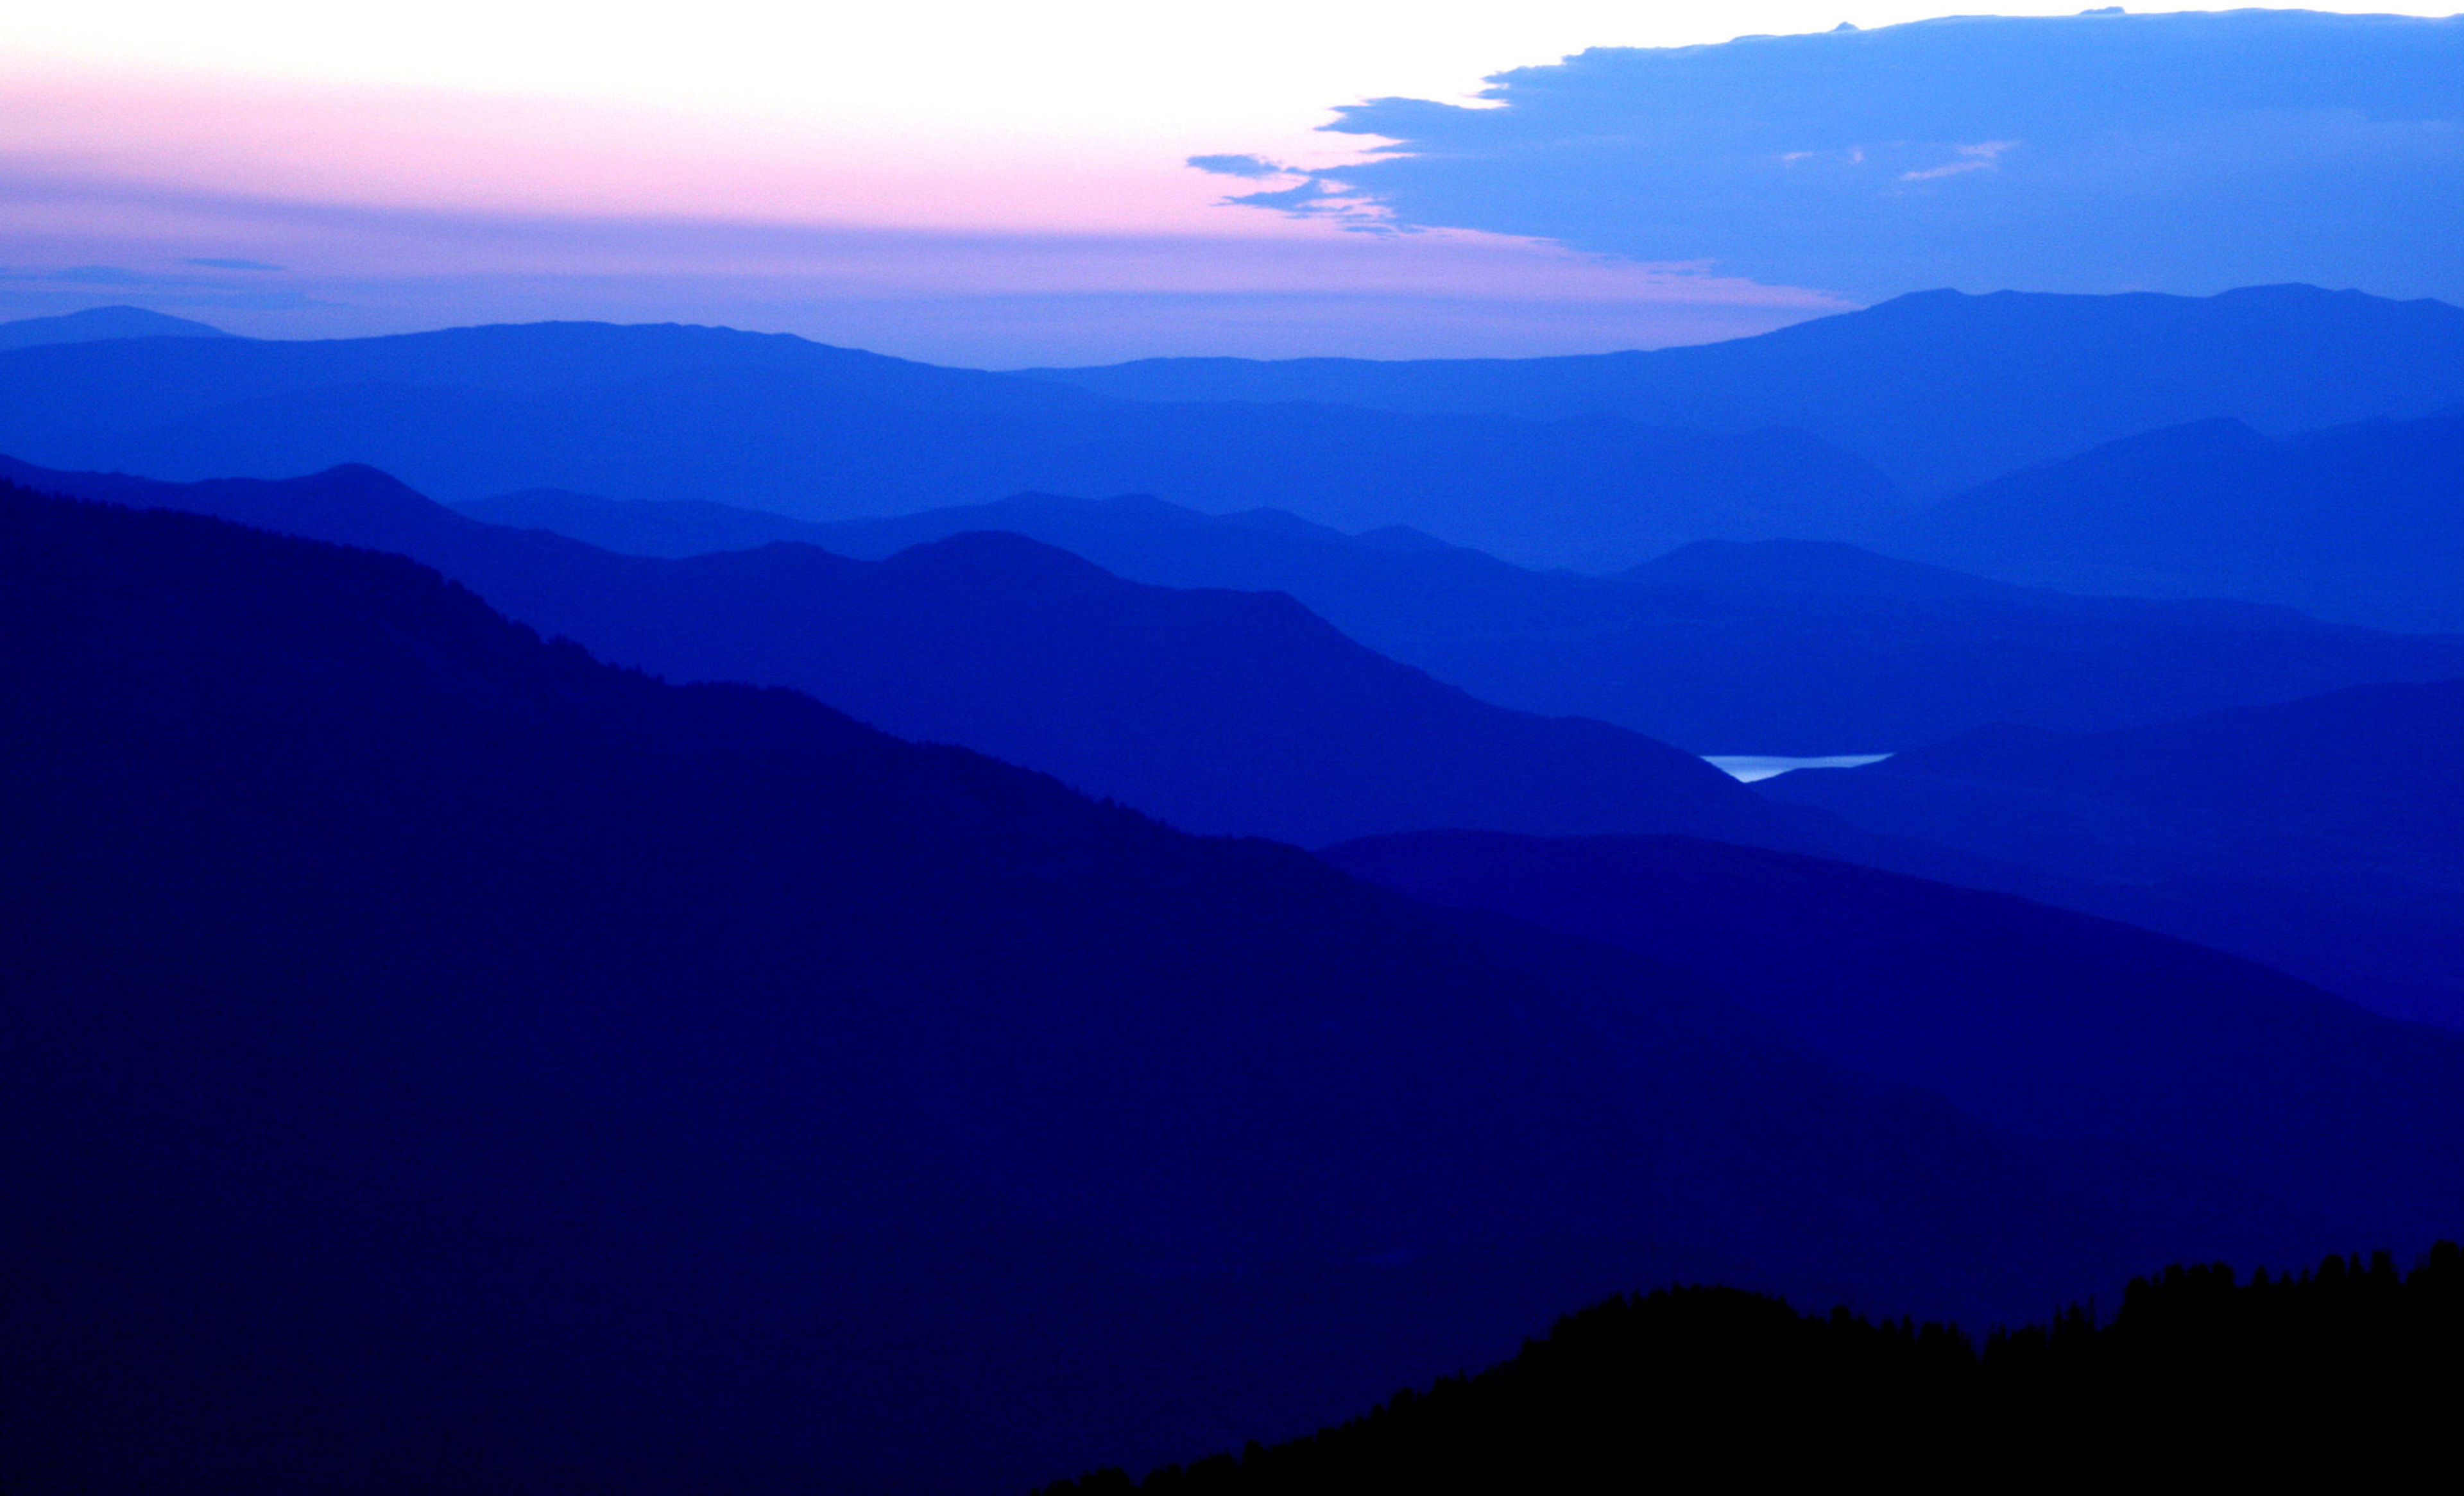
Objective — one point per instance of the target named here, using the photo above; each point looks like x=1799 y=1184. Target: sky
x=991 y=184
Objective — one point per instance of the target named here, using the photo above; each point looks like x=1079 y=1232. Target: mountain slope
x=2363 y=524
x=435 y=1060
x=820 y=433
x=1220 y=711
x=2051 y=1024
x=100 y=323
x=2324 y=836
x=1941 y=390
x=672 y=529
x=1773 y=646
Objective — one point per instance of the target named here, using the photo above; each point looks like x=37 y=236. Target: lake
x=1752 y=767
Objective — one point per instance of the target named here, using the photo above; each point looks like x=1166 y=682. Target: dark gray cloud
x=2185 y=152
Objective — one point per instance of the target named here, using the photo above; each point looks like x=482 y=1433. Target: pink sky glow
x=389 y=208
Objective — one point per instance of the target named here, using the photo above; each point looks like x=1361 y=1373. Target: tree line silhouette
x=2343 y=1374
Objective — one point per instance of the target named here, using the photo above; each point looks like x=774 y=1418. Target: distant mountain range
x=98 y=325
x=435 y=1060
x=1809 y=647
x=2322 y=836
x=1220 y=711
x=1595 y=463
x=1938 y=389
x=2363 y=524
x=1775 y=647
x=778 y=423
x=1243 y=712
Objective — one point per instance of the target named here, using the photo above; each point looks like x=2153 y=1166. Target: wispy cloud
x=976 y=297
x=1980 y=157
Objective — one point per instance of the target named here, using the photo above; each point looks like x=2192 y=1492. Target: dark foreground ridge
x=2331 y=1374
x=433 y=1060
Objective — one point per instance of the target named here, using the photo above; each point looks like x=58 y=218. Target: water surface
x=1752 y=767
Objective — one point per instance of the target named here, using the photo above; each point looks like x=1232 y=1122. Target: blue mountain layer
x=437 y=1060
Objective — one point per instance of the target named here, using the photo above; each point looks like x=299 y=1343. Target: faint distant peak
x=1830 y=568
x=1037 y=504
x=101 y=324
x=2201 y=441
x=1404 y=537
x=1005 y=552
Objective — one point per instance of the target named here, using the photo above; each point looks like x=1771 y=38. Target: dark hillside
x=434 y=1060
x=2324 y=836
x=2046 y=1022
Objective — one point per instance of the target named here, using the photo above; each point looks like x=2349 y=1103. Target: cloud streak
x=2103 y=152
x=979 y=297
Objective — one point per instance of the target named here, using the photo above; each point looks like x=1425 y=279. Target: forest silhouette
x=2337 y=1376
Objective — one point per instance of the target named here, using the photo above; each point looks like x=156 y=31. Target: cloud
x=1253 y=167
x=1979 y=157
x=2186 y=152
x=211 y=262
x=973 y=298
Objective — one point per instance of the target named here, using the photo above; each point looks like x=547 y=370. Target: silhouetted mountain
x=1795 y=647
x=2362 y=767
x=2319 y=1381
x=1940 y=390
x=2051 y=1024
x=775 y=422
x=436 y=1061
x=1773 y=646
x=96 y=324
x=1823 y=568
x=2324 y=836
x=2363 y=525
x=1220 y=711
x=671 y=528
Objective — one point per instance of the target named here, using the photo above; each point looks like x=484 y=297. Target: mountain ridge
x=1782 y=646
x=1219 y=711
x=775 y=421
x=2133 y=362
x=101 y=323
x=2357 y=523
